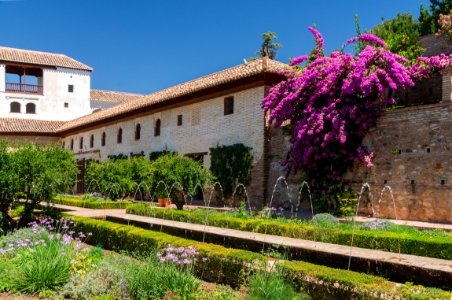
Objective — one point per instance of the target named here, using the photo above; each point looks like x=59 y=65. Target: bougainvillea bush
x=332 y=101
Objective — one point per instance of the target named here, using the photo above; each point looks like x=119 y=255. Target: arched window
x=30 y=108
x=119 y=135
x=72 y=144
x=137 y=131
x=157 y=127
x=91 y=141
x=81 y=143
x=103 y=138
x=15 y=107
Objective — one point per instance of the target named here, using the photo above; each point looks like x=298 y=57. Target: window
x=119 y=137
x=137 y=132
x=103 y=138
x=15 y=107
x=228 y=106
x=30 y=108
x=64 y=144
x=72 y=144
x=157 y=127
x=70 y=88
x=66 y=104
x=81 y=143
x=91 y=141
x=179 y=120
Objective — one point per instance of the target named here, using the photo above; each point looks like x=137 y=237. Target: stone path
x=426 y=263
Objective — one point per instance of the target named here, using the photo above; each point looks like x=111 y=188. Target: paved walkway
x=426 y=263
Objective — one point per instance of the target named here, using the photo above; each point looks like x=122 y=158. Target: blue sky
x=144 y=46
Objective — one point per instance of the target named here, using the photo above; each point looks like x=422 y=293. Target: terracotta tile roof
x=16 y=125
x=112 y=97
x=255 y=67
x=40 y=58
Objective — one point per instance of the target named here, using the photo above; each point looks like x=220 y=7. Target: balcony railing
x=12 y=87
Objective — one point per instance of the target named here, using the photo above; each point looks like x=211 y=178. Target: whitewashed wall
x=204 y=126
x=50 y=105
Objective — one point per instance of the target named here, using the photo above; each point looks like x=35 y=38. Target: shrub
x=266 y=285
x=152 y=280
x=36 y=172
x=379 y=224
x=400 y=239
x=104 y=204
x=45 y=267
x=229 y=265
x=231 y=165
x=102 y=280
x=325 y=220
x=177 y=172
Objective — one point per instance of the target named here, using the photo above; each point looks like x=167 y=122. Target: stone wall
x=413 y=156
x=413 y=148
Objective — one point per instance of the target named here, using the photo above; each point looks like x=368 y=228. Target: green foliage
x=112 y=178
x=43 y=269
x=401 y=34
x=34 y=171
x=325 y=220
x=105 y=277
x=266 y=285
x=227 y=264
x=152 y=280
x=343 y=284
x=231 y=165
x=402 y=239
x=101 y=204
x=121 y=178
x=223 y=265
x=177 y=172
x=156 y=154
x=268 y=48
x=428 y=18
x=117 y=156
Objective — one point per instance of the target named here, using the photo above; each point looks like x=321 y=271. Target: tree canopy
x=401 y=34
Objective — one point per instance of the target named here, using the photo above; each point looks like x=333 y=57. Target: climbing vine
x=231 y=165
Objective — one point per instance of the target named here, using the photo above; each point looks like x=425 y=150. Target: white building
x=43 y=86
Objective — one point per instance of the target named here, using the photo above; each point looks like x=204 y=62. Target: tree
x=428 y=19
x=35 y=173
x=268 y=48
x=445 y=23
x=401 y=34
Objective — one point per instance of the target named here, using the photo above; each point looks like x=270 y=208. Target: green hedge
x=227 y=265
x=107 y=204
x=420 y=245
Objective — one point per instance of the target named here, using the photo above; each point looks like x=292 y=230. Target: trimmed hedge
x=420 y=245
x=104 y=204
x=231 y=266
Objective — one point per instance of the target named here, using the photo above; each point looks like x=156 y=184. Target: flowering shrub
x=445 y=23
x=378 y=224
x=332 y=102
x=42 y=256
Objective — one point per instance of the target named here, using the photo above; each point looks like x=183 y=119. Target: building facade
x=224 y=108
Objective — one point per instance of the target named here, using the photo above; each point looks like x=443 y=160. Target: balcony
x=12 y=87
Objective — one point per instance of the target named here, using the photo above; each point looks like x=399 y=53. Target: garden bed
x=437 y=244
x=228 y=265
